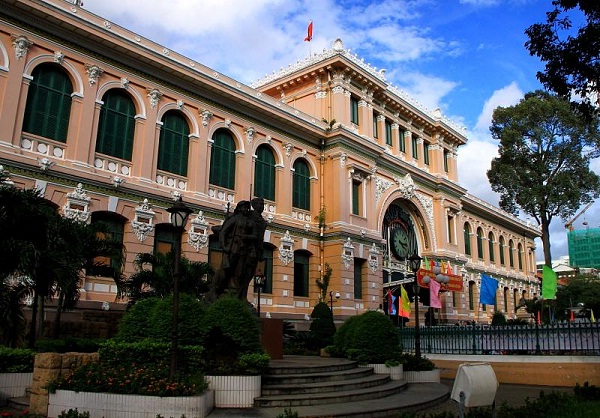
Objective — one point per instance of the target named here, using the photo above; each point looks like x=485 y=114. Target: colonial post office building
x=355 y=174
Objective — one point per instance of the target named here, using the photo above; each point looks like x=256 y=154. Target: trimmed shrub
x=16 y=360
x=230 y=329
x=153 y=317
x=322 y=327
x=79 y=345
x=368 y=338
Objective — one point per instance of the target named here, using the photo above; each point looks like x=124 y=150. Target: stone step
x=342 y=396
x=308 y=365
x=325 y=385
x=21 y=403
x=322 y=375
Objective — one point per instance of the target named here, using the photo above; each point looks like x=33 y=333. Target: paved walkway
x=513 y=395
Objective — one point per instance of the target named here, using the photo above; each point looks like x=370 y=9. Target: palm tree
x=13 y=292
x=154 y=277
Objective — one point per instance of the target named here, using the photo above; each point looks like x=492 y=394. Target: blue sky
x=466 y=57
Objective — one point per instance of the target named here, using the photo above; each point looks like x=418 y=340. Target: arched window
x=173 y=145
x=48 y=105
x=491 y=247
x=116 y=126
x=301 y=264
x=480 y=243
x=506 y=294
x=112 y=228
x=502 y=245
x=511 y=250
x=301 y=185
x=264 y=173
x=520 y=256
x=467 y=237
x=222 y=160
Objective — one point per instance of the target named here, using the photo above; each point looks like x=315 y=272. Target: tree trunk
x=40 y=326
x=59 y=309
x=33 y=324
x=546 y=242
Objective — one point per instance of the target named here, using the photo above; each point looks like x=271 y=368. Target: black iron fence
x=551 y=339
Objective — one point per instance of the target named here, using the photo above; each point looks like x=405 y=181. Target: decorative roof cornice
x=337 y=49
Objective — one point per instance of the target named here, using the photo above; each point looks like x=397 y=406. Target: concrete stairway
x=331 y=387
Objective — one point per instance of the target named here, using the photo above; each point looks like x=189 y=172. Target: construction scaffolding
x=584 y=248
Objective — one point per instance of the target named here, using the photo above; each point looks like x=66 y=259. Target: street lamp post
x=179 y=215
x=331 y=294
x=415 y=264
x=259 y=282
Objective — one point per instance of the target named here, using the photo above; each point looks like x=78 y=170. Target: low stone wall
x=111 y=405
x=48 y=367
x=13 y=385
x=564 y=371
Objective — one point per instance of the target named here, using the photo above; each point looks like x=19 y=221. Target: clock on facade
x=400 y=242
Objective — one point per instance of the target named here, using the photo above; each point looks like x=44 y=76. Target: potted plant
x=419 y=370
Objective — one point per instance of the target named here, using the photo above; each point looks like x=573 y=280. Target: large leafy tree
x=571 y=55
x=543 y=163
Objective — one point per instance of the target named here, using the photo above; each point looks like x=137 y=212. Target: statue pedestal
x=272 y=337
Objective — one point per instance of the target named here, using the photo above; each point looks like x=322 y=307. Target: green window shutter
x=300 y=274
x=388 y=133
x=173 y=145
x=479 y=243
x=502 y=260
x=467 y=235
x=491 y=247
x=445 y=161
x=264 y=173
x=402 y=144
x=48 y=106
x=415 y=148
x=268 y=256
x=375 y=127
x=358 y=270
x=301 y=185
x=222 y=160
x=116 y=126
x=425 y=153
x=354 y=110
x=164 y=238
x=511 y=249
x=356 y=198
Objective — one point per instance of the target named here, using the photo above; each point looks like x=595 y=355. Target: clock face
x=399 y=243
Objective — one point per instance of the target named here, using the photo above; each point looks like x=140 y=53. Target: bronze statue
x=241 y=239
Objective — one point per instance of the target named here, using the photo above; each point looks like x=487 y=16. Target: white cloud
x=506 y=96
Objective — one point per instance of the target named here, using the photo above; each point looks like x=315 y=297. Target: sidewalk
x=513 y=395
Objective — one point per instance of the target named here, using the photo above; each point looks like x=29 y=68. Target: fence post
x=474 y=338
x=537 y=338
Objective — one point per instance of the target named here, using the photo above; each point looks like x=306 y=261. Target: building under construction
x=584 y=248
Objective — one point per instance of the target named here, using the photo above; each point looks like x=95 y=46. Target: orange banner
x=454 y=285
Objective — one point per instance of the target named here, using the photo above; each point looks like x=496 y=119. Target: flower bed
x=13 y=385
x=110 y=405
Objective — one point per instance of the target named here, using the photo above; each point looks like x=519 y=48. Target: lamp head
x=414 y=262
x=179 y=214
